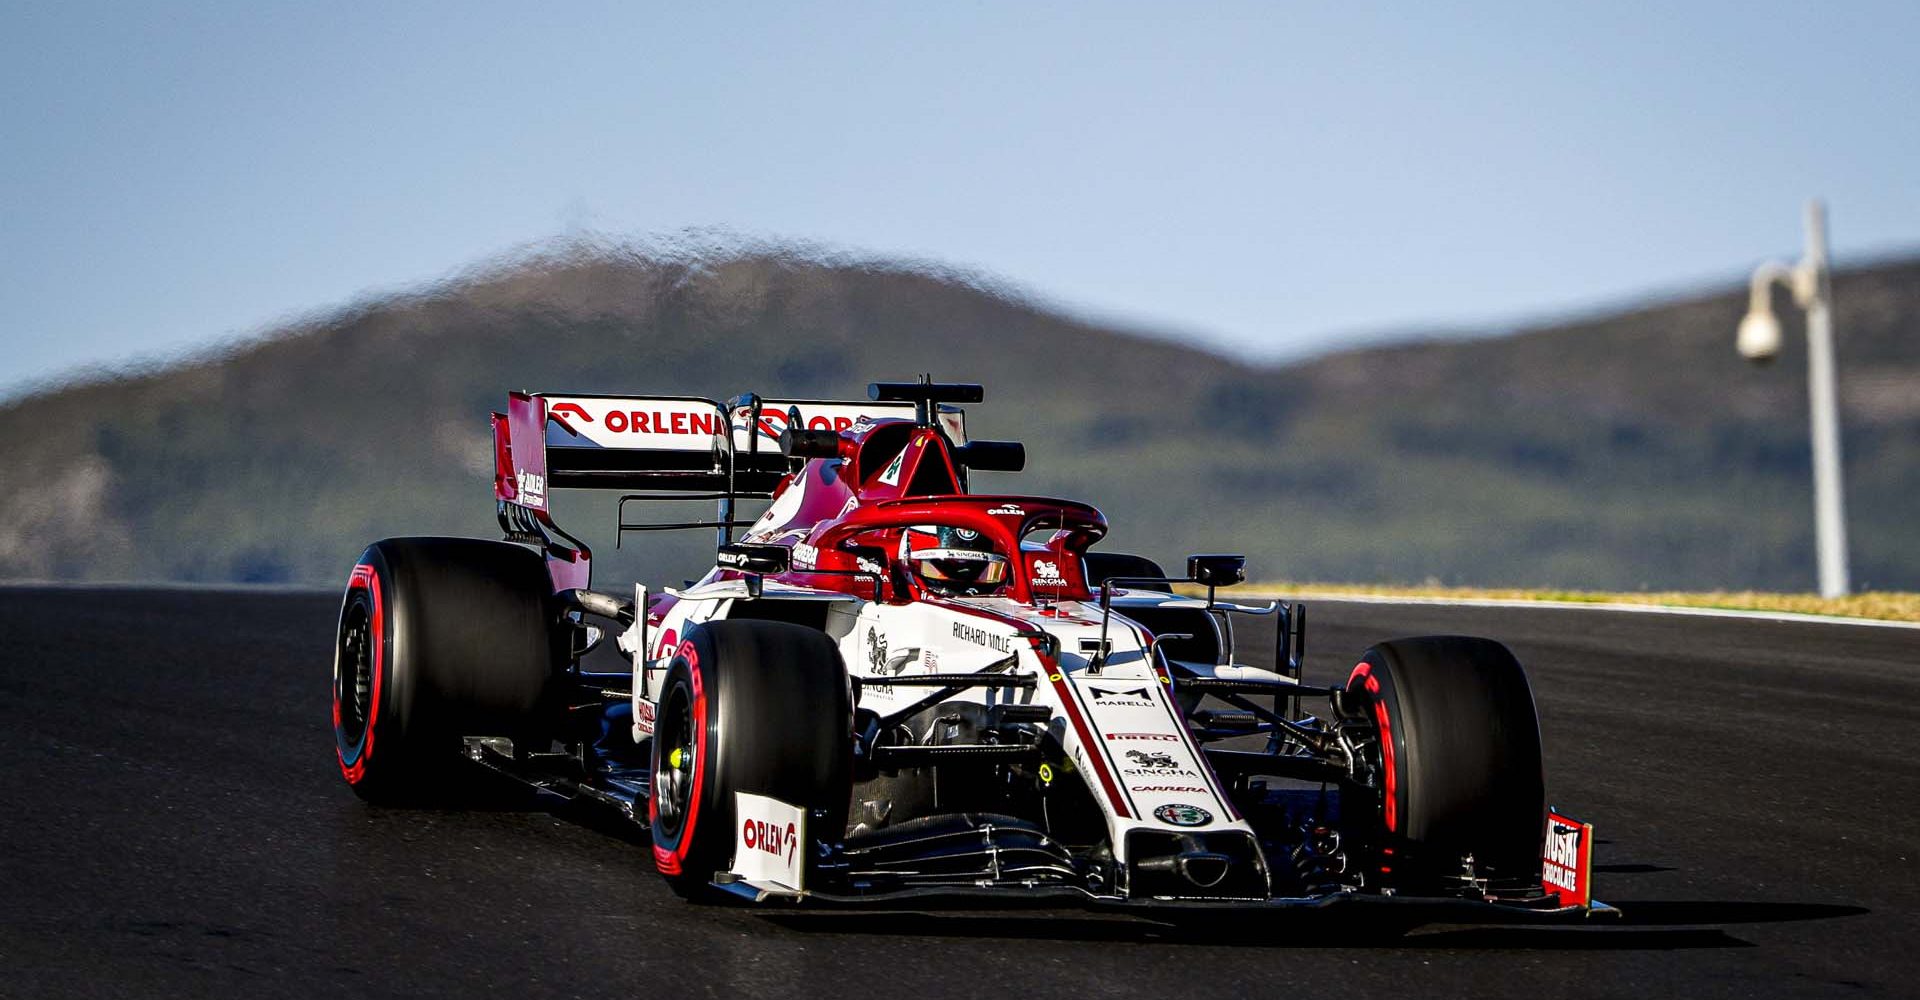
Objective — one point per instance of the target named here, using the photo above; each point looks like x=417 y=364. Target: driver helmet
x=953 y=561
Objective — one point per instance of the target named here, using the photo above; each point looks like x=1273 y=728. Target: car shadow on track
x=1668 y=913
x=1643 y=925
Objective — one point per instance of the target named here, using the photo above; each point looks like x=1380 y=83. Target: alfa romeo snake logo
x=1181 y=814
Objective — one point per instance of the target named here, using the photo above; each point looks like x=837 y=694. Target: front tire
x=1457 y=751
x=438 y=637
x=750 y=706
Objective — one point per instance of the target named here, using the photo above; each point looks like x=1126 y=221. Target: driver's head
x=953 y=561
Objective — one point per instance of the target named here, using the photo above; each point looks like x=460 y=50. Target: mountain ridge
x=1622 y=450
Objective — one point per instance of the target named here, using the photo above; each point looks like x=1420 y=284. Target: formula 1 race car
x=891 y=687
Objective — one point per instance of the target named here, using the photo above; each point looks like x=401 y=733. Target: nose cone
x=1759 y=338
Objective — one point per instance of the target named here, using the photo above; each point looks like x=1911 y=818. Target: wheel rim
x=674 y=772
x=353 y=680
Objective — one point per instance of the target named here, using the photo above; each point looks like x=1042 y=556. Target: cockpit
x=953 y=561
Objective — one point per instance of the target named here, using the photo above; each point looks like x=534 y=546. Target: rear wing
x=671 y=448
x=672 y=444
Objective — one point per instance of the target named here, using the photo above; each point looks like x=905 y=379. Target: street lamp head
x=1759 y=338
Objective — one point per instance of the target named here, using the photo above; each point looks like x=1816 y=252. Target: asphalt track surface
x=175 y=826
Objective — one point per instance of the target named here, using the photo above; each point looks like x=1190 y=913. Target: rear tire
x=1459 y=755
x=438 y=638
x=762 y=707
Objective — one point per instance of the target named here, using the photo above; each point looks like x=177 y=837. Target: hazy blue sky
x=1273 y=178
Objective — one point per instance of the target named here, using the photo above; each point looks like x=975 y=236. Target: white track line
x=1302 y=595
x=1647 y=609
x=299 y=589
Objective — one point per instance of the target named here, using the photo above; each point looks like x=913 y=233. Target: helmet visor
x=967 y=566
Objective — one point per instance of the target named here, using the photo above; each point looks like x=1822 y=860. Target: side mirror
x=870 y=566
x=869 y=559
x=798 y=442
x=1217 y=570
x=992 y=456
x=749 y=557
x=586 y=638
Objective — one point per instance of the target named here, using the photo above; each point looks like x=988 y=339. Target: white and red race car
x=890 y=686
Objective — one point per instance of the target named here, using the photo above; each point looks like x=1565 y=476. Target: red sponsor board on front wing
x=1566 y=863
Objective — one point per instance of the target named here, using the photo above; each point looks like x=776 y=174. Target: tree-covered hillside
x=1620 y=451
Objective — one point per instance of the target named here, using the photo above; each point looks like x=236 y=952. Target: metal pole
x=1829 y=500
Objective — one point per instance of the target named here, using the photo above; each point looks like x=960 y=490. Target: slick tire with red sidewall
x=1459 y=760
x=438 y=638
x=761 y=707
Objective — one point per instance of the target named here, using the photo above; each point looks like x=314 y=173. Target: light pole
x=1759 y=341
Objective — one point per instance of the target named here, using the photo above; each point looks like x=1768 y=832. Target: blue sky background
x=1270 y=178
